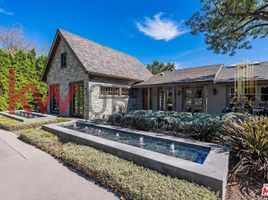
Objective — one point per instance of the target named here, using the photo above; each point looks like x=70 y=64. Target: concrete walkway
x=27 y=173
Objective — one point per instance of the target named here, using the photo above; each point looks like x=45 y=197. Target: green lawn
x=9 y=124
x=133 y=181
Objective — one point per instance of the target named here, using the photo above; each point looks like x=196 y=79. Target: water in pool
x=28 y=115
x=184 y=151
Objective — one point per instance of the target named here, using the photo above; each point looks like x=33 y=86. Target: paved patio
x=27 y=173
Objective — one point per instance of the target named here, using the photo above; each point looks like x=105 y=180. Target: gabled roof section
x=227 y=74
x=187 y=75
x=100 y=60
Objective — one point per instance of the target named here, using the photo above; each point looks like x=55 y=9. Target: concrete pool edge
x=44 y=117
x=212 y=173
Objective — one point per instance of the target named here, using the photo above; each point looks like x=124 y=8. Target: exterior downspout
x=217 y=74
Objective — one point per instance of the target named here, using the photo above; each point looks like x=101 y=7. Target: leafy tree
x=28 y=68
x=158 y=67
x=230 y=24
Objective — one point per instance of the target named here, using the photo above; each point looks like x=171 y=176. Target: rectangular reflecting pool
x=28 y=116
x=184 y=151
x=203 y=163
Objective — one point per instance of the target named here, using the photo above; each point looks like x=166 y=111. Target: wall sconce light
x=215 y=92
x=85 y=91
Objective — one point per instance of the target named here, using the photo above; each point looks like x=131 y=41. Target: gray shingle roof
x=104 y=61
x=187 y=75
x=227 y=74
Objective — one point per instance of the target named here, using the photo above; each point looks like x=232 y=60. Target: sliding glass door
x=165 y=99
x=193 y=100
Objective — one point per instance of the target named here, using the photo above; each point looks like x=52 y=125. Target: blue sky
x=147 y=29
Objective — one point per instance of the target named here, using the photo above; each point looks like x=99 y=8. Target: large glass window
x=114 y=91
x=243 y=101
x=125 y=92
x=64 y=60
x=109 y=91
x=188 y=100
x=161 y=99
x=232 y=98
x=264 y=97
x=133 y=93
x=165 y=99
x=169 y=94
x=198 y=100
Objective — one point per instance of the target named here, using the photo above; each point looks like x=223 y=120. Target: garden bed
x=133 y=181
x=245 y=135
x=197 y=126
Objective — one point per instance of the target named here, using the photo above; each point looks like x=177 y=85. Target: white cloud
x=3 y=11
x=160 y=28
x=179 y=65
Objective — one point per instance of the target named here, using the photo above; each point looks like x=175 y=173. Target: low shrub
x=249 y=141
x=9 y=124
x=133 y=181
x=44 y=140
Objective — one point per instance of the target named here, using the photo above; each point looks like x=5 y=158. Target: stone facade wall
x=74 y=72
x=95 y=106
x=102 y=107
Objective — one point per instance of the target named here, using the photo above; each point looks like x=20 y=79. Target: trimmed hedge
x=9 y=124
x=133 y=181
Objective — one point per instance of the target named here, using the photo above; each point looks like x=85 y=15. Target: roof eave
x=44 y=74
x=140 y=85
x=113 y=76
x=59 y=34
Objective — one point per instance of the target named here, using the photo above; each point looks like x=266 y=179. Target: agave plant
x=127 y=121
x=249 y=141
x=116 y=119
x=202 y=129
x=169 y=122
x=235 y=116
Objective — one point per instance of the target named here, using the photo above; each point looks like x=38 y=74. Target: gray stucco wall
x=63 y=77
x=216 y=103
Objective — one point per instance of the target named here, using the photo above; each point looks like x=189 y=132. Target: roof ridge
x=99 y=44
x=189 y=68
x=104 y=61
